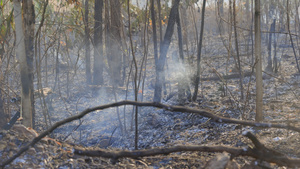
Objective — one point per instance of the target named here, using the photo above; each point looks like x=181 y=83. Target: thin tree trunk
x=136 y=86
x=238 y=64
x=291 y=38
x=3 y=115
x=258 y=64
x=152 y=10
x=38 y=61
x=181 y=90
x=87 y=43
x=160 y=44
x=116 y=55
x=164 y=50
x=185 y=26
x=183 y=87
x=98 y=42
x=159 y=20
x=107 y=30
x=199 y=52
x=26 y=63
x=297 y=24
x=269 y=67
x=220 y=4
x=221 y=7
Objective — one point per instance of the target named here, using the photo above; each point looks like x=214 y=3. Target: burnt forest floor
x=157 y=127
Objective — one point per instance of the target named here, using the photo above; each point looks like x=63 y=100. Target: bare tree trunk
x=221 y=7
x=159 y=20
x=297 y=25
x=38 y=63
x=107 y=31
x=113 y=52
x=87 y=43
x=220 y=4
x=152 y=10
x=269 y=67
x=160 y=43
x=258 y=64
x=181 y=90
x=237 y=61
x=183 y=87
x=116 y=55
x=98 y=42
x=164 y=50
x=291 y=38
x=3 y=115
x=136 y=86
x=25 y=54
x=185 y=25
x=199 y=52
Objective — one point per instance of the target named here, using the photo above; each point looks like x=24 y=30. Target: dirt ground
x=161 y=128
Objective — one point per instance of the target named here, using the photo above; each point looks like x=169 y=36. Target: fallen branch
x=202 y=112
x=259 y=152
x=115 y=155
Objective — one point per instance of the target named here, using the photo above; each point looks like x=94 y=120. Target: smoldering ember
x=150 y=84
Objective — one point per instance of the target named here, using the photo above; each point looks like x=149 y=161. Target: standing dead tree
x=272 y=65
x=237 y=59
x=24 y=40
x=199 y=53
x=183 y=87
x=115 y=60
x=136 y=86
x=87 y=43
x=291 y=38
x=98 y=43
x=258 y=63
x=164 y=50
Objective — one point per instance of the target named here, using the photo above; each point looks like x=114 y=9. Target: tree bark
x=291 y=38
x=185 y=25
x=181 y=90
x=98 y=42
x=183 y=87
x=237 y=61
x=24 y=39
x=87 y=43
x=3 y=115
x=107 y=31
x=269 y=67
x=159 y=20
x=164 y=50
x=199 y=52
x=258 y=64
x=116 y=55
x=152 y=10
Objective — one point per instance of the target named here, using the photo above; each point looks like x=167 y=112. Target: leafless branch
x=202 y=112
x=258 y=152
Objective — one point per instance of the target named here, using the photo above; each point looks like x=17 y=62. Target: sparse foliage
x=76 y=59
